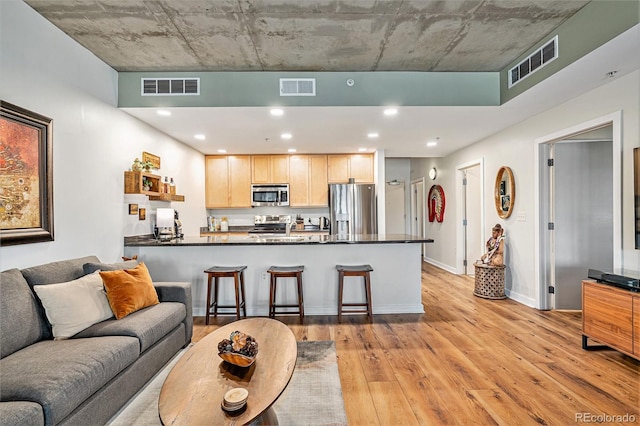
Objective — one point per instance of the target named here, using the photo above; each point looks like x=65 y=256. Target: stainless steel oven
x=270 y=195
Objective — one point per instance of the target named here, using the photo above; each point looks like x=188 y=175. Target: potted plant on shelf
x=147 y=166
x=146 y=184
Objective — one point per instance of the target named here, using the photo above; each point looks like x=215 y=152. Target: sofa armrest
x=178 y=292
x=21 y=413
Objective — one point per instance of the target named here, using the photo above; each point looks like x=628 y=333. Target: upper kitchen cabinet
x=227 y=181
x=308 y=185
x=269 y=169
x=341 y=167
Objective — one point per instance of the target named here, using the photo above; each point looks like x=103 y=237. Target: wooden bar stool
x=355 y=271
x=285 y=272
x=215 y=273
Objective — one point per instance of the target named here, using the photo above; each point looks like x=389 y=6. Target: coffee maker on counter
x=168 y=225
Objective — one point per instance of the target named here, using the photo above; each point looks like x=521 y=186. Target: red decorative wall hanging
x=436 y=203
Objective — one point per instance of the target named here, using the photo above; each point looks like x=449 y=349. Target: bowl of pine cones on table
x=239 y=349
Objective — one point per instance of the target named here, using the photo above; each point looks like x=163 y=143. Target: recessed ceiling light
x=362 y=149
x=222 y=151
x=286 y=136
x=277 y=112
x=200 y=136
x=291 y=150
x=390 y=111
x=372 y=135
x=432 y=144
x=163 y=112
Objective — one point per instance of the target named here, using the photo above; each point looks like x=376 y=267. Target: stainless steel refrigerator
x=353 y=209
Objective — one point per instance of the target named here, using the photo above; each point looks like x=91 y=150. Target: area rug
x=313 y=396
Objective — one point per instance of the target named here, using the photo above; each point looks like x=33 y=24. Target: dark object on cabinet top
x=620 y=281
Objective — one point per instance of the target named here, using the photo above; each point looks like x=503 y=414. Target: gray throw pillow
x=90 y=268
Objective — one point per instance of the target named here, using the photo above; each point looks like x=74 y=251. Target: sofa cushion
x=129 y=290
x=21 y=413
x=21 y=322
x=60 y=375
x=92 y=267
x=57 y=272
x=75 y=305
x=148 y=325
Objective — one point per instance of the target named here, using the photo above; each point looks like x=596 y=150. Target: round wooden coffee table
x=193 y=391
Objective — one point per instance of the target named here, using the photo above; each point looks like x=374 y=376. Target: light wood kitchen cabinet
x=308 y=185
x=361 y=168
x=338 y=168
x=269 y=169
x=227 y=181
x=611 y=316
x=341 y=167
x=318 y=181
x=239 y=181
x=299 y=185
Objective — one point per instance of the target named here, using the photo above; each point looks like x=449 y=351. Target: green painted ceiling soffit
x=255 y=89
x=594 y=25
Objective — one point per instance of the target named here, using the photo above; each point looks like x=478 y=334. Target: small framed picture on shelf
x=133 y=209
x=142 y=214
x=153 y=159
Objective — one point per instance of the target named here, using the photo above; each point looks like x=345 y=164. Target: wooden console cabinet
x=611 y=316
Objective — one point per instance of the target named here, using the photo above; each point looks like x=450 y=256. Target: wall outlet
x=522 y=217
x=265 y=276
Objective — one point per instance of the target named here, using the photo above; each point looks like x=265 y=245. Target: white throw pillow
x=75 y=305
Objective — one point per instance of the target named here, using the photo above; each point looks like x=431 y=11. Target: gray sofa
x=86 y=379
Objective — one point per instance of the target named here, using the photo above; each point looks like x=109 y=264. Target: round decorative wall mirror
x=505 y=192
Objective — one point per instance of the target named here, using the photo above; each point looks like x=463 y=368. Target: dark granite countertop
x=204 y=231
x=257 y=239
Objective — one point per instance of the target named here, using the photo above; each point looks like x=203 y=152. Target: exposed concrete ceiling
x=307 y=35
x=338 y=35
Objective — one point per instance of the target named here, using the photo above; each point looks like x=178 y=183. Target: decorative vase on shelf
x=136 y=166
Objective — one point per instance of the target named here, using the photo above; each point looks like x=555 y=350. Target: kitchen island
x=395 y=281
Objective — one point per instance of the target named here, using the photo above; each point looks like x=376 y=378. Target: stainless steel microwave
x=270 y=195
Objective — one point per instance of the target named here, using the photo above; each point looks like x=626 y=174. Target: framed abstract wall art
x=26 y=176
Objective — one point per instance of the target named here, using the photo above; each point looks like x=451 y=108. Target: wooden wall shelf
x=133 y=184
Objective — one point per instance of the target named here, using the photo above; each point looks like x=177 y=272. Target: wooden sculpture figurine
x=495 y=248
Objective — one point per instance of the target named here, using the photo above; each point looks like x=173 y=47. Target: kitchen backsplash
x=245 y=217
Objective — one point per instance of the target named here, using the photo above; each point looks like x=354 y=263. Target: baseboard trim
x=447 y=268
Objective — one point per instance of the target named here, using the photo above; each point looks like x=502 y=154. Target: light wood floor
x=469 y=360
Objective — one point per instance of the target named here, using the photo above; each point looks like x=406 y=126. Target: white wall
x=514 y=147
x=45 y=71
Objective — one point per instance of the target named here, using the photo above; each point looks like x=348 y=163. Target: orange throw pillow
x=129 y=290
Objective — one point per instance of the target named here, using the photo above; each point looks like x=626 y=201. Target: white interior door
x=395 y=216
x=469 y=215
x=583 y=218
x=473 y=230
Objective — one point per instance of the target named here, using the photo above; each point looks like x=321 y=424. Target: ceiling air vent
x=537 y=60
x=170 y=86
x=297 y=87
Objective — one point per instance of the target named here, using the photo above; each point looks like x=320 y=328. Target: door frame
x=413 y=203
x=460 y=212
x=544 y=300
